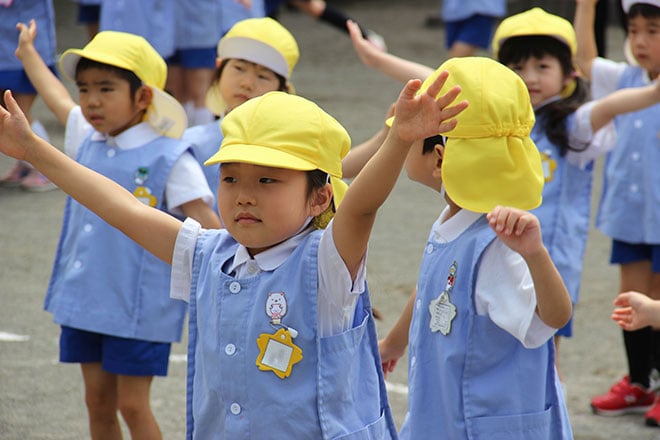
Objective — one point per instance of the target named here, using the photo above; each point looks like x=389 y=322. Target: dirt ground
x=42 y=399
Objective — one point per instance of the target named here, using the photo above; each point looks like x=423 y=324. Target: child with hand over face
x=282 y=342
x=488 y=299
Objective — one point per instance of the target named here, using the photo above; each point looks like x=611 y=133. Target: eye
x=267 y=180
x=229 y=179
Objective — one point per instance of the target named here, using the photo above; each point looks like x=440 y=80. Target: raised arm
x=391 y=65
x=521 y=231
x=623 y=101
x=48 y=86
x=156 y=231
x=587 y=51
x=417 y=117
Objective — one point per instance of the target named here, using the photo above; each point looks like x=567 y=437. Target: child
x=281 y=340
x=489 y=299
x=541 y=47
x=118 y=324
x=256 y=56
x=628 y=210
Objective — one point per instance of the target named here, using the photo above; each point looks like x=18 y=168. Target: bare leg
x=101 y=400
x=135 y=407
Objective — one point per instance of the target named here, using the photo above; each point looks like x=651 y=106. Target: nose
x=247 y=81
x=245 y=196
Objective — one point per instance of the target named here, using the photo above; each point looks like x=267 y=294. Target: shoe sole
x=620 y=412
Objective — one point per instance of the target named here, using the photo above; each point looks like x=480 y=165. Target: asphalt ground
x=43 y=399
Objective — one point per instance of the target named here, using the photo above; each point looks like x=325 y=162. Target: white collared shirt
x=337 y=292
x=504 y=290
x=186 y=181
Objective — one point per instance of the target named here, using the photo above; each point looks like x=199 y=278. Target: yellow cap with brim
x=535 y=22
x=285 y=131
x=627 y=4
x=132 y=52
x=489 y=158
x=262 y=41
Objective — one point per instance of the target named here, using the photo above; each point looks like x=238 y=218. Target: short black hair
x=644 y=10
x=133 y=81
x=431 y=141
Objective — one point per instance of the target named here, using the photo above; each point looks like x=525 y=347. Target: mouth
x=246 y=219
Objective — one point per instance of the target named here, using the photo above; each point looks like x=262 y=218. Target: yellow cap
x=261 y=41
x=134 y=53
x=285 y=131
x=627 y=4
x=489 y=157
x=535 y=22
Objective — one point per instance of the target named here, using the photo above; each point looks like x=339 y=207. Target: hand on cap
x=424 y=115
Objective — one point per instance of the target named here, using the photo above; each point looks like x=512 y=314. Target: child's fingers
x=436 y=85
x=409 y=90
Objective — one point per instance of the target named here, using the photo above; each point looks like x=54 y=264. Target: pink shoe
x=15 y=175
x=37 y=182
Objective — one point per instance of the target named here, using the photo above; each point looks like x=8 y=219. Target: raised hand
x=519 y=230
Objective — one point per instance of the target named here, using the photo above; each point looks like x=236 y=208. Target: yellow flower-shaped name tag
x=278 y=353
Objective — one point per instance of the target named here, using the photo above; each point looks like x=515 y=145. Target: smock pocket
x=535 y=426
x=349 y=392
x=375 y=431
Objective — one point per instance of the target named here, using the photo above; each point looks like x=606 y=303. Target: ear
x=143 y=97
x=320 y=200
x=438 y=154
x=218 y=61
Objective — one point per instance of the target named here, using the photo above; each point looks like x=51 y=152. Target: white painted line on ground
x=13 y=337
x=178 y=358
x=393 y=387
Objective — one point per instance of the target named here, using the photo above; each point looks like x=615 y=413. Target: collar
x=270 y=259
x=445 y=230
x=546 y=102
x=133 y=137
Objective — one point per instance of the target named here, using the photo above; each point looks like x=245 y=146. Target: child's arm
x=198 y=209
x=585 y=16
x=155 y=230
x=521 y=231
x=393 y=346
x=417 y=117
x=48 y=86
x=391 y=65
x=634 y=310
x=623 y=101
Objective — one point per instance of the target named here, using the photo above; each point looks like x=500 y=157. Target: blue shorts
x=88 y=14
x=18 y=82
x=476 y=30
x=128 y=357
x=567 y=330
x=623 y=253
x=199 y=58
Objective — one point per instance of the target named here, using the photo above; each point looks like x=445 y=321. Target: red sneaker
x=624 y=398
x=652 y=416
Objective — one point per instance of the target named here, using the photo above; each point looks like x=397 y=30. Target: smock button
x=635 y=156
x=638 y=123
x=413 y=361
x=634 y=188
x=87 y=228
x=418 y=304
x=230 y=349
x=235 y=408
x=111 y=152
x=429 y=248
x=235 y=287
x=77 y=264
